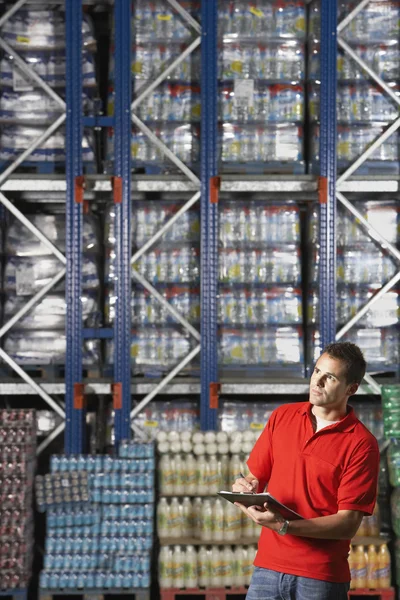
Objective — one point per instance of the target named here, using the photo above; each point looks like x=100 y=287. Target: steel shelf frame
x=344 y=183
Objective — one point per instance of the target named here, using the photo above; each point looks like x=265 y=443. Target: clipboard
x=258 y=500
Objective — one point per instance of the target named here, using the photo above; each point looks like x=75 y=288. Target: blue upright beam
x=327 y=192
x=209 y=212
x=75 y=412
x=122 y=198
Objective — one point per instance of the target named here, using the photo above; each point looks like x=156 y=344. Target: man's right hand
x=247 y=484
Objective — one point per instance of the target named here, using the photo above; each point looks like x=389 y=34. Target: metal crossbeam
x=352 y=15
x=135 y=411
x=185 y=15
x=49 y=438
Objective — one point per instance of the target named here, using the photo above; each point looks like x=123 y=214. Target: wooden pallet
x=205 y=593
x=387 y=594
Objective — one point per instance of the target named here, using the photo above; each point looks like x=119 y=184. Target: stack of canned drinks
x=260 y=278
x=37 y=33
x=172 y=265
x=362 y=268
x=364 y=109
x=17 y=459
x=261 y=100
x=105 y=541
x=38 y=338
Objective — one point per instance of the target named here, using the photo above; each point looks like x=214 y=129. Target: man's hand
x=247 y=484
x=263 y=516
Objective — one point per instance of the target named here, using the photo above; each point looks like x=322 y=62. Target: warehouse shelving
x=98 y=187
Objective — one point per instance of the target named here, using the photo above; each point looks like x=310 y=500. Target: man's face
x=328 y=385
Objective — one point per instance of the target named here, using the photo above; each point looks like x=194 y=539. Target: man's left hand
x=263 y=516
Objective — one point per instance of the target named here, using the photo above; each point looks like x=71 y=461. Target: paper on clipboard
x=259 y=500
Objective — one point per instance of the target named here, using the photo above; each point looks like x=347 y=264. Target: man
x=317 y=458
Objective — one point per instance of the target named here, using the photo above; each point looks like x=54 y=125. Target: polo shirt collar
x=345 y=425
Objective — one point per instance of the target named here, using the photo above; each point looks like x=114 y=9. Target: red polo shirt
x=315 y=474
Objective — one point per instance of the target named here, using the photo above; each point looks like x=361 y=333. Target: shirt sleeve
x=358 y=486
x=261 y=457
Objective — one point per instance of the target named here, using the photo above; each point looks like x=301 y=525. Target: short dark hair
x=351 y=355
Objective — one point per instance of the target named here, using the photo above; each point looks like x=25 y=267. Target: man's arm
x=341 y=526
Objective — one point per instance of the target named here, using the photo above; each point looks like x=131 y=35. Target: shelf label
x=244 y=93
x=256 y=11
x=257 y=426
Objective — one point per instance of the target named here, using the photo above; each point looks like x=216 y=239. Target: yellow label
x=256 y=426
x=151 y=423
x=256 y=11
x=300 y=24
x=237 y=66
x=196 y=110
x=164 y=17
x=137 y=67
x=22 y=39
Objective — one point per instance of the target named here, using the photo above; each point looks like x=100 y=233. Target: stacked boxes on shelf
x=261 y=94
x=362 y=268
x=39 y=337
x=100 y=534
x=260 y=296
x=197 y=531
x=364 y=110
x=172 y=110
x=17 y=459
x=173 y=266
x=37 y=34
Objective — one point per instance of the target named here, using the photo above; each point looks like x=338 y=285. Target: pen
x=243 y=477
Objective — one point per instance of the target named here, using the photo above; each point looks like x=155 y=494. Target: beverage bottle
x=190 y=567
x=218 y=519
x=232 y=521
x=202 y=484
x=362 y=530
x=360 y=568
x=213 y=471
x=191 y=475
x=177 y=567
x=227 y=565
x=187 y=517
x=197 y=508
x=372 y=568
x=179 y=483
x=175 y=524
x=166 y=475
x=163 y=518
x=352 y=568
x=165 y=567
x=206 y=531
x=247 y=527
x=204 y=567
x=384 y=567
x=215 y=567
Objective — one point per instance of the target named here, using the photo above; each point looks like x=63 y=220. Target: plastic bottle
x=352 y=568
x=237 y=575
x=384 y=567
x=360 y=568
x=247 y=527
x=197 y=508
x=248 y=554
x=191 y=475
x=166 y=475
x=177 y=567
x=218 y=521
x=175 y=524
x=190 y=568
x=232 y=521
x=163 y=518
x=227 y=565
x=204 y=567
x=187 y=517
x=372 y=568
x=180 y=479
x=374 y=521
x=362 y=530
x=202 y=475
x=165 y=567
x=215 y=568
x=206 y=531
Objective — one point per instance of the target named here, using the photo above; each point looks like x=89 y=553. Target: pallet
x=17 y=594
x=47 y=167
x=205 y=593
x=49 y=373
x=134 y=594
x=380 y=594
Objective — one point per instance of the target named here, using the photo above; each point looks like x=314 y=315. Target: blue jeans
x=271 y=585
